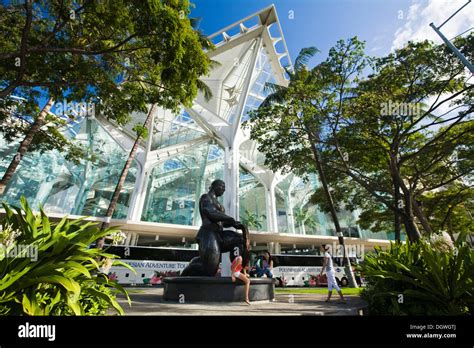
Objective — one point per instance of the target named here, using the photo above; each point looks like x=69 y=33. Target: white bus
x=152 y=264
x=304 y=270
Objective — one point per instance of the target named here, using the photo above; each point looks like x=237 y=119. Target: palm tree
x=252 y=220
x=279 y=95
x=304 y=218
x=301 y=215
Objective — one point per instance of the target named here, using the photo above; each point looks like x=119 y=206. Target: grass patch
x=320 y=291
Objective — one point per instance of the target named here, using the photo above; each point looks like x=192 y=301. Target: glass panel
x=234 y=84
x=252 y=205
x=176 y=184
x=249 y=150
x=170 y=129
x=61 y=186
x=296 y=214
x=294 y=211
x=282 y=218
x=263 y=73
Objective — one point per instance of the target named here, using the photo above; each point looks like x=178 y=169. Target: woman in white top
x=329 y=268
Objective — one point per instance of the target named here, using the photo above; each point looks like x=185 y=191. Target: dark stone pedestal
x=214 y=289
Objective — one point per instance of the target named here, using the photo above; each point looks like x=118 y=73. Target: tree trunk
x=123 y=176
x=397 y=222
x=413 y=233
x=408 y=219
x=335 y=219
x=25 y=144
x=450 y=227
x=418 y=211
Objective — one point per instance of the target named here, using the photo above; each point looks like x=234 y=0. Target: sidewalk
x=148 y=301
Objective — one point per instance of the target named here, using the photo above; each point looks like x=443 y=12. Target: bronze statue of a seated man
x=212 y=238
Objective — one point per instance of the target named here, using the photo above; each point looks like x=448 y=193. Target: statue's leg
x=207 y=263
x=209 y=253
x=194 y=268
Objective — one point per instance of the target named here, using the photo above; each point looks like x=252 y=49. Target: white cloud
x=422 y=12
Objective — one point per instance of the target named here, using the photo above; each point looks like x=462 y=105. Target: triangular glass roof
x=263 y=73
x=171 y=129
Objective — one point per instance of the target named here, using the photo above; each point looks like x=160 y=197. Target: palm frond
x=277 y=97
x=304 y=56
x=272 y=88
x=195 y=21
x=204 y=89
x=290 y=71
x=214 y=64
x=204 y=40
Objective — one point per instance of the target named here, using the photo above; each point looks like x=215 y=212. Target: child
x=239 y=271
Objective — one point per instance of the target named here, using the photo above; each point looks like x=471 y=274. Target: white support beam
x=247 y=82
x=141 y=177
x=231 y=178
x=162 y=154
x=270 y=199
x=123 y=139
x=226 y=45
x=217 y=125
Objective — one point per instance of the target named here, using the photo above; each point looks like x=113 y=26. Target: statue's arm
x=210 y=210
x=228 y=224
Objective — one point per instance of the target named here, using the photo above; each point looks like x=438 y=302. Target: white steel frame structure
x=187 y=151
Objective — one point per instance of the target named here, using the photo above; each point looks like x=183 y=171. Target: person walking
x=329 y=268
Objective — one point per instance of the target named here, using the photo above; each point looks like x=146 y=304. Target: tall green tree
x=142 y=130
x=289 y=123
x=119 y=55
x=390 y=138
x=450 y=209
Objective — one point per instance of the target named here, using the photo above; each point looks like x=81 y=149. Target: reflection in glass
x=252 y=206
x=61 y=186
x=175 y=185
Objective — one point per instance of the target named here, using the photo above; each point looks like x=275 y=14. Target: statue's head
x=218 y=186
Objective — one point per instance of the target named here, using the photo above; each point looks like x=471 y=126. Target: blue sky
x=383 y=24
x=317 y=23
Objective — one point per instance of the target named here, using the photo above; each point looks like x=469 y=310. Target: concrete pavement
x=148 y=301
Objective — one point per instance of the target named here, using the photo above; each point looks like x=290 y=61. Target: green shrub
x=48 y=268
x=433 y=279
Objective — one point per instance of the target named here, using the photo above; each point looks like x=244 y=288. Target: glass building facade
x=60 y=186
x=185 y=152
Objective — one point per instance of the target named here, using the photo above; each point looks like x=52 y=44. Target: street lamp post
x=453 y=48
